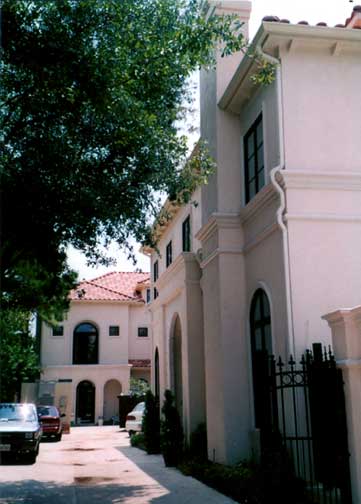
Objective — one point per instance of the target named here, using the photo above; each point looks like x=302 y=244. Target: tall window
x=186 y=235
x=168 y=255
x=254 y=159
x=148 y=295
x=261 y=345
x=85 y=344
x=155 y=271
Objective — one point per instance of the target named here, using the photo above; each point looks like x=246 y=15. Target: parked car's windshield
x=47 y=411
x=20 y=412
x=139 y=407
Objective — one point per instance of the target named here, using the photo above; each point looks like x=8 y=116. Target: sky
x=331 y=12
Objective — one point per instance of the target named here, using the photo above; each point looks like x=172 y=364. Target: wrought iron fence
x=307 y=415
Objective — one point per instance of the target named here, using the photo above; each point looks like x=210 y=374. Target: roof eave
x=241 y=84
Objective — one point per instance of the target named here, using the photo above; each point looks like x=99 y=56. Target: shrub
x=198 y=442
x=137 y=440
x=151 y=424
x=171 y=432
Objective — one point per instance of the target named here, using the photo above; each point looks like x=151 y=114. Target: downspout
x=281 y=209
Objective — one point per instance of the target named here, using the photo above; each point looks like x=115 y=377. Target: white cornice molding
x=333 y=217
x=258 y=203
x=337 y=181
x=177 y=265
x=239 y=88
x=220 y=251
x=218 y=221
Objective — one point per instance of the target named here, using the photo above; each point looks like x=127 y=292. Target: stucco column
x=99 y=399
x=346 y=338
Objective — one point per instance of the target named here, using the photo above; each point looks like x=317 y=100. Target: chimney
x=355 y=20
x=227 y=66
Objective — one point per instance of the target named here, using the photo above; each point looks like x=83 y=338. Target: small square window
x=58 y=330
x=114 y=330
x=142 y=332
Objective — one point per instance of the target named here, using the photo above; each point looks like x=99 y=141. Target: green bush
x=198 y=442
x=151 y=424
x=137 y=440
x=171 y=432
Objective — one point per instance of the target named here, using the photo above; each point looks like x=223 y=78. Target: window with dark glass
x=58 y=330
x=261 y=347
x=148 y=295
x=114 y=330
x=186 y=235
x=168 y=255
x=142 y=332
x=254 y=159
x=155 y=271
x=155 y=293
x=85 y=344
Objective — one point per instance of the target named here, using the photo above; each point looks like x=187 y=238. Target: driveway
x=96 y=465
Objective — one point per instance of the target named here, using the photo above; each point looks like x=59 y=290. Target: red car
x=50 y=420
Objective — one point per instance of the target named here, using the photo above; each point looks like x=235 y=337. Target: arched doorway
x=261 y=346
x=85 y=344
x=112 y=390
x=85 y=402
x=176 y=365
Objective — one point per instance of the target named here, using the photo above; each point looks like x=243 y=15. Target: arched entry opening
x=176 y=365
x=85 y=402
x=112 y=390
x=261 y=346
x=85 y=344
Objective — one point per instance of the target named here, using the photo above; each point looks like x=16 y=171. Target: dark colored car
x=50 y=420
x=20 y=431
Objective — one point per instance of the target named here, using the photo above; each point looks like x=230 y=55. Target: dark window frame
x=58 y=330
x=144 y=330
x=114 y=329
x=85 y=350
x=186 y=234
x=258 y=176
x=148 y=295
x=169 y=254
x=155 y=271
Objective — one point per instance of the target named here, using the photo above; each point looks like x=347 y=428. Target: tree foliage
x=91 y=93
x=151 y=424
x=18 y=356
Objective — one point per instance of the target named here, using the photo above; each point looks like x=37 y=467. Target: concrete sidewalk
x=96 y=465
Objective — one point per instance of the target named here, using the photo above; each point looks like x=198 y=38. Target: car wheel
x=30 y=458
x=58 y=437
x=131 y=433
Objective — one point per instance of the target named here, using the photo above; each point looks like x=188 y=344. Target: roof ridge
x=110 y=290
x=117 y=272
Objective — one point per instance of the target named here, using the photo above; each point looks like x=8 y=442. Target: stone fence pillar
x=345 y=325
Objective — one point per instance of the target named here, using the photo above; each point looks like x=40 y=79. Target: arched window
x=261 y=346
x=85 y=344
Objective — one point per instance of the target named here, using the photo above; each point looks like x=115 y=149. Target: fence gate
x=307 y=414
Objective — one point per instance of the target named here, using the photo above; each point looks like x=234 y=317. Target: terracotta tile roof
x=352 y=22
x=140 y=363
x=115 y=286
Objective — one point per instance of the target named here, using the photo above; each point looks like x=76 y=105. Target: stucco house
x=274 y=243
x=103 y=341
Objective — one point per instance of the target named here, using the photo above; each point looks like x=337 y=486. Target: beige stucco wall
x=114 y=351
x=99 y=375
x=322 y=108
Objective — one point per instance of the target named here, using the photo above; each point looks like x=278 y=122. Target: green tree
x=90 y=96
x=151 y=424
x=18 y=356
x=171 y=432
